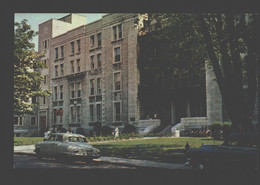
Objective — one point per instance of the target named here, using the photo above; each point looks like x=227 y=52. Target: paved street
x=29 y=161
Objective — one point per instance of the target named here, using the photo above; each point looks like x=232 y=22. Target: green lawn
x=163 y=149
x=157 y=149
x=26 y=140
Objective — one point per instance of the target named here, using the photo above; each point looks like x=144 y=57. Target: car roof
x=69 y=134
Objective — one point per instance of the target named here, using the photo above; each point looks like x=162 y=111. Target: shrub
x=128 y=128
x=81 y=131
x=106 y=130
x=216 y=130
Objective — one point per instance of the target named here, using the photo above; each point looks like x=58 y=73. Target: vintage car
x=66 y=146
x=239 y=151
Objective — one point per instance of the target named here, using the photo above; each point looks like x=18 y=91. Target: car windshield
x=77 y=139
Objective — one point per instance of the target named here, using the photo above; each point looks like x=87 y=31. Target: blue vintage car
x=239 y=151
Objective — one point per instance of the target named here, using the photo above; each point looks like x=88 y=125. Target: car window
x=77 y=139
x=52 y=138
x=59 y=138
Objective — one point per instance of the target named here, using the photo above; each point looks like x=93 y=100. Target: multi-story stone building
x=93 y=74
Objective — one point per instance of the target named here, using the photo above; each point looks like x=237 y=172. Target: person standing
x=116 y=132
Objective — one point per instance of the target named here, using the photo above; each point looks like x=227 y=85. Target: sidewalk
x=29 y=150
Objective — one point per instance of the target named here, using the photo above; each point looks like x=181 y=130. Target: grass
x=26 y=140
x=162 y=149
x=156 y=149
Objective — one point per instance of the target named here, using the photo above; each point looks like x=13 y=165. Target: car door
x=51 y=145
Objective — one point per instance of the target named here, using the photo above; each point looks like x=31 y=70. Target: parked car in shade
x=66 y=145
x=239 y=151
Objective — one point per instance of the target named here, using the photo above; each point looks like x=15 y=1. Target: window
x=61 y=92
x=78 y=114
x=98 y=112
x=72 y=66
x=72 y=86
x=45 y=63
x=56 y=53
x=92 y=41
x=34 y=99
x=55 y=93
x=98 y=85
x=33 y=121
x=56 y=71
x=18 y=121
x=45 y=44
x=99 y=39
x=79 y=88
x=78 y=65
x=72 y=48
x=91 y=113
x=72 y=114
x=44 y=79
x=78 y=44
x=44 y=100
x=117 y=111
x=92 y=64
x=117 y=54
x=60 y=115
x=117 y=32
x=62 y=51
x=99 y=60
x=92 y=87
x=61 y=70
x=117 y=81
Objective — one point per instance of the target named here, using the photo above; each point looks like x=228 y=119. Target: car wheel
x=38 y=154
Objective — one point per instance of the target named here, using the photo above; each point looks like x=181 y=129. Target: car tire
x=38 y=154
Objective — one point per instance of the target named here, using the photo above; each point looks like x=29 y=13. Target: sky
x=34 y=19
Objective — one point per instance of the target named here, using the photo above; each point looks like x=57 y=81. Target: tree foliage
x=230 y=44
x=27 y=79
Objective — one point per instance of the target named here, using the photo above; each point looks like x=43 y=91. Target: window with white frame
x=99 y=60
x=79 y=89
x=117 y=32
x=18 y=120
x=117 y=81
x=117 y=111
x=72 y=114
x=78 y=114
x=99 y=38
x=99 y=111
x=72 y=87
x=33 y=121
x=61 y=70
x=61 y=92
x=55 y=93
x=92 y=87
x=56 y=53
x=91 y=112
x=98 y=85
x=92 y=41
x=117 y=54
x=56 y=71
x=92 y=64
x=62 y=51
x=78 y=65
x=78 y=46
x=72 y=66
x=72 y=48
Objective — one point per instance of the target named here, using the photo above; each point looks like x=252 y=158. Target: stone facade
x=101 y=87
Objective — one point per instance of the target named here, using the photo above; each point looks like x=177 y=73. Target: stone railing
x=146 y=126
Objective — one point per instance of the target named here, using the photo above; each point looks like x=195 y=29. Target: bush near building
x=220 y=130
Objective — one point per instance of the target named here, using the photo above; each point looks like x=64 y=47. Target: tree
x=27 y=79
x=229 y=42
x=232 y=42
